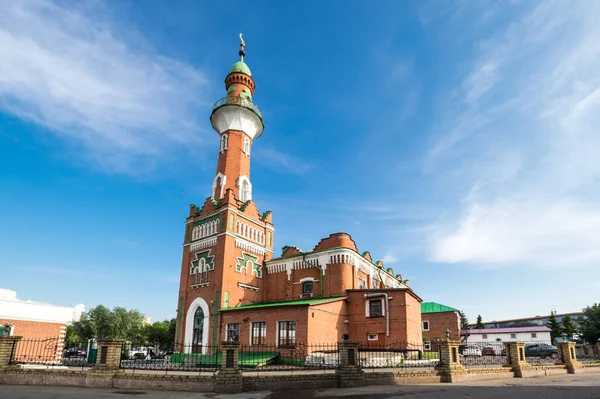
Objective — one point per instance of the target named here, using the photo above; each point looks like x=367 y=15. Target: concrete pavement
x=555 y=387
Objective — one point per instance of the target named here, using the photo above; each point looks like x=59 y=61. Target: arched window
x=198 y=330
x=223 y=143
x=245 y=191
x=247 y=146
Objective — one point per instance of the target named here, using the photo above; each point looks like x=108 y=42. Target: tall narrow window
x=223 y=143
x=362 y=284
x=198 y=331
x=245 y=191
x=258 y=333
x=247 y=146
x=287 y=334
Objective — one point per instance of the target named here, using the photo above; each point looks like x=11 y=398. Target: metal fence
x=482 y=354
x=587 y=353
x=397 y=355
x=181 y=357
x=52 y=352
x=298 y=356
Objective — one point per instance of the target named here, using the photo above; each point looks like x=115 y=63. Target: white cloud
x=73 y=71
x=530 y=148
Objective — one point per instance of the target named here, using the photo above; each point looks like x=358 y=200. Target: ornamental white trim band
x=248 y=246
x=208 y=242
x=332 y=257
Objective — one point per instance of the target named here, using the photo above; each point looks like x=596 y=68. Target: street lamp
x=447 y=334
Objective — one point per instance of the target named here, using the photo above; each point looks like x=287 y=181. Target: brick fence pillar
x=598 y=348
x=109 y=355
x=568 y=356
x=515 y=357
x=349 y=371
x=229 y=377
x=8 y=348
x=449 y=368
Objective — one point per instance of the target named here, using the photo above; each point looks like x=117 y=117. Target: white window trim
x=423 y=325
x=223 y=181
x=368 y=307
x=223 y=143
x=427 y=345
x=372 y=339
x=246 y=140
x=240 y=184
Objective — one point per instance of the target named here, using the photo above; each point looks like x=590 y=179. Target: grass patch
x=245 y=359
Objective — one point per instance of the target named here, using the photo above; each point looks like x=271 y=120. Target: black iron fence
x=397 y=355
x=482 y=354
x=52 y=352
x=293 y=357
x=180 y=357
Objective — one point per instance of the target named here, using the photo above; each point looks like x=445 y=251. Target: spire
x=242 y=53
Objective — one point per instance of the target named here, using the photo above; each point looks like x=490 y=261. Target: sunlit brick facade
x=233 y=288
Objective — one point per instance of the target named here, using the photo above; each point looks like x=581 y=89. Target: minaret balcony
x=237 y=113
x=239 y=101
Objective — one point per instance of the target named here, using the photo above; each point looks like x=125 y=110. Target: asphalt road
x=556 y=387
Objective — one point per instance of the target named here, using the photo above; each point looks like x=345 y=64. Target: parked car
x=75 y=352
x=471 y=350
x=541 y=350
x=488 y=351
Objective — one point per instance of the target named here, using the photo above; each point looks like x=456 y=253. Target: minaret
x=226 y=240
x=238 y=121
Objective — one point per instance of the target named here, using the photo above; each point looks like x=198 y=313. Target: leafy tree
x=161 y=333
x=464 y=322
x=102 y=323
x=590 y=324
x=71 y=336
x=479 y=324
x=569 y=327
x=556 y=328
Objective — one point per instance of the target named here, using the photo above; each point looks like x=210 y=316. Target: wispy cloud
x=282 y=161
x=102 y=88
x=526 y=134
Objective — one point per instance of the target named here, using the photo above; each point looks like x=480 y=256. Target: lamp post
x=447 y=334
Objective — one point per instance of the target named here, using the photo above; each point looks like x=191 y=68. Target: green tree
x=161 y=333
x=71 y=336
x=479 y=324
x=556 y=328
x=102 y=323
x=464 y=322
x=590 y=324
x=569 y=327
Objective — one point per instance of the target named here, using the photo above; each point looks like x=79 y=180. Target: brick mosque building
x=232 y=286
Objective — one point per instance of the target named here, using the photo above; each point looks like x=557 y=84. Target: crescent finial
x=242 y=43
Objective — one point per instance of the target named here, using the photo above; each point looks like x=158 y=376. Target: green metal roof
x=241 y=66
x=433 y=307
x=311 y=301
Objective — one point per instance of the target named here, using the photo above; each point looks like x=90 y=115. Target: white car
x=471 y=350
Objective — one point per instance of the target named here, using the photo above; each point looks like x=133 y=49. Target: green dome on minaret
x=241 y=67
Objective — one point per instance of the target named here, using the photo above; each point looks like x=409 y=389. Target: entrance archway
x=196 y=327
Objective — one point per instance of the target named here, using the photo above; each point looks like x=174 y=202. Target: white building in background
x=35 y=320
x=497 y=336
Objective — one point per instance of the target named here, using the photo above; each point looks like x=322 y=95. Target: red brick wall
x=271 y=315
x=405 y=323
x=42 y=341
x=326 y=322
x=439 y=322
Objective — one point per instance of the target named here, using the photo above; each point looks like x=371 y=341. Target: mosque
x=232 y=285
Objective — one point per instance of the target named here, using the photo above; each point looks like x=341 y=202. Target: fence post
x=515 y=357
x=8 y=348
x=108 y=357
x=449 y=368
x=568 y=356
x=349 y=371
x=229 y=377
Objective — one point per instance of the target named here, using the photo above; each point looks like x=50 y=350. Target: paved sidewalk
x=555 y=387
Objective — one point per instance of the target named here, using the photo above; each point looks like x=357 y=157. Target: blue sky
x=456 y=141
